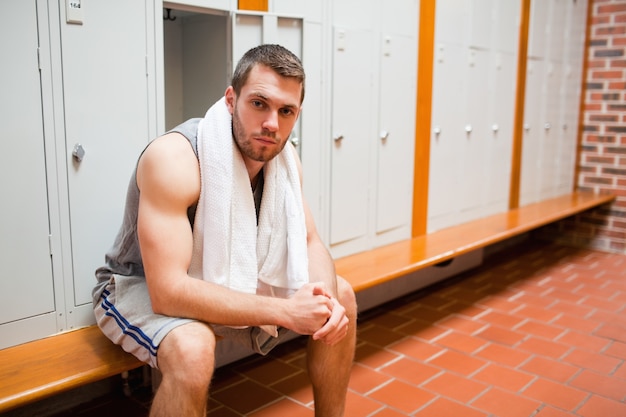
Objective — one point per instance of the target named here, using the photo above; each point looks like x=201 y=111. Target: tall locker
x=374 y=72
x=553 y=88
x=108 y=122
x=27 y=299
x=473 y=105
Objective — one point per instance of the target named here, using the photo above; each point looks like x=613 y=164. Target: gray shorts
x=124 y=313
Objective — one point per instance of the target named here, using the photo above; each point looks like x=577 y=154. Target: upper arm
x=168 y=178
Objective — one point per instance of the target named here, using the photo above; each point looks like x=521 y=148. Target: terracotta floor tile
x=503 y=355
x=357 y=406
x=547 y=331
x=284 y=407
x=552 y=412
x=544 y=347
x=584 y=341
x=602 y=385
x=504 y=320
x=410 y=371
x=265 y=370
x=402 y=396
x=458 y=362
x=416 y=348
x=580 y=324
x=364 y=379
x=443 y=407
x=256 y=396
x=597 y=362
x=540 y=314
x=461 y=342
x=501 y=335
x=611 y=331
x=502 y=403
x=297 y=386
x=601 y=407
x=455 y=387
x=461 y=324
x=555 y=394
x=616 y=349
x=550 y=368
x=503 y=377
x=373 y=356
x=380 y=336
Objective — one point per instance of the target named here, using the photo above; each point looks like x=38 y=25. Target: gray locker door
x=352 y=127
x=26 y=286
x=107 y=113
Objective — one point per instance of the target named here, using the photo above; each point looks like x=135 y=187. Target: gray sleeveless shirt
x=124 y=258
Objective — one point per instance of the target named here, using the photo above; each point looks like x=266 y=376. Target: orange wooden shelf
x=372 y=267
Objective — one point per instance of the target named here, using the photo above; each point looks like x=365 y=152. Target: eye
x=257 y=104
x=286 y=111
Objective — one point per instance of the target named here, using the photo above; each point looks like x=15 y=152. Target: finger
x=319 y=288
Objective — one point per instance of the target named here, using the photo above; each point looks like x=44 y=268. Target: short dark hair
x=276 y=57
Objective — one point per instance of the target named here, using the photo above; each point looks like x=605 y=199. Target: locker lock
x=78 y=153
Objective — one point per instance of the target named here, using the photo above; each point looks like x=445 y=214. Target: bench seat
x=45 y=367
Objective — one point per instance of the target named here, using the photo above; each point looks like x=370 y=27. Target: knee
x=187 y=354
x=346 y=296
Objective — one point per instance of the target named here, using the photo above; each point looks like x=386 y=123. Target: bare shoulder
x=169 y=168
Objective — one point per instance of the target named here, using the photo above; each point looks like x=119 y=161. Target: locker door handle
x=295 y=141
x=384 y=135
x=338 y=137
x=468 y=128
x=78 y=153
x=495 y=127
x=547 y=126
x=437 y=130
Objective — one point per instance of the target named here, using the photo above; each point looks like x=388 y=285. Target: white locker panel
x=481 y=22
x=352 y=118
x=475 y=143
x=533 y=126
x=26 y=287
x=501 y=109
x=396 y=142
x=400 y=19
x=106 y=113
x=452 y=21
x=506 y=25
x=538 y=31
x=448 y=118
x=356 y=14
x=247 y=33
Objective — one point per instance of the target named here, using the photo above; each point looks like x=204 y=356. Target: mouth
x=265 y=140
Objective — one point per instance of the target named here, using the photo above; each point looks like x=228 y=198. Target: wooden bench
x=42 y=368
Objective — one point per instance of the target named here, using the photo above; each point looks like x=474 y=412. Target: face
x=264 y=113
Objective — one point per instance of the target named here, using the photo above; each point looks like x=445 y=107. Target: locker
x=107 y=114
x=27 y=298
x=352 y=130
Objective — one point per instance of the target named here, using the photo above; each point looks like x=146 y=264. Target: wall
x=602 y=158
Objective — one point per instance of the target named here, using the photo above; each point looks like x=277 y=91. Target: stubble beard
x=246 y=145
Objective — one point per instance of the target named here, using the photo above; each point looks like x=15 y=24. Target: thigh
x=124 y=313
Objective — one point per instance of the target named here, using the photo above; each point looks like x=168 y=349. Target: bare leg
x=186 y=360
x=330 y=366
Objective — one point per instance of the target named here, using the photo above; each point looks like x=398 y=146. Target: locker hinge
x=39 y=58
x=146 y=62
x=50 y=244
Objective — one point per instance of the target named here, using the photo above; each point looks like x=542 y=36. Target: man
x=178 y=275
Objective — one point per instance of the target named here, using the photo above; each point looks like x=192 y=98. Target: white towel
x=228 y=247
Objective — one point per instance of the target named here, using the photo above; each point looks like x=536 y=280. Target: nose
x=271 y=121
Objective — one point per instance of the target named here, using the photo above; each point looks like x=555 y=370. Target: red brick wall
x=602 y=163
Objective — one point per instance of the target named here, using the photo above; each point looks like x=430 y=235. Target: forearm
x=212 y=303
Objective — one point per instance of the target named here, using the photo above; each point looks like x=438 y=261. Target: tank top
x=124 y=257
